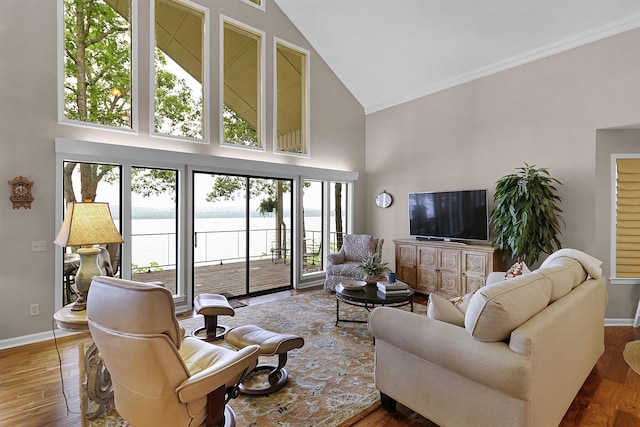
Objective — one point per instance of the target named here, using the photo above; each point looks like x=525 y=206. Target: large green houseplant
x=526 y=216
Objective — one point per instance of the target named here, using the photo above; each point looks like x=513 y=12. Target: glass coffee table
x=368 y=297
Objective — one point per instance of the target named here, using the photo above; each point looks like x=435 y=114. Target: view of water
x=154 y=240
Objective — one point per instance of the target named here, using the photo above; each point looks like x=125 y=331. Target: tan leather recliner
x=160 y=377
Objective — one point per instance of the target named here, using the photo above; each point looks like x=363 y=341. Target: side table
x=98 y=385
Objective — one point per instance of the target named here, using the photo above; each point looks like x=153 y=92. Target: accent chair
x=343 y=265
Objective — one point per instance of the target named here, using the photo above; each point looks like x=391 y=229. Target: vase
x=372 y=280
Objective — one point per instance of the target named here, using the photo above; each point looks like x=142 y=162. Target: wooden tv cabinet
x=447 y=268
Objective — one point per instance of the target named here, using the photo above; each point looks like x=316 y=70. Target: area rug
x=631 y=355
x=330 y=377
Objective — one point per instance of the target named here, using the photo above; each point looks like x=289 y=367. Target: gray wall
x=545 y=113
x=28 y=123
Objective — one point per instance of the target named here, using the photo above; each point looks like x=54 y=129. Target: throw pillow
x=461 y=303
x=448 y=310
x=517 y=269
x=442 y=309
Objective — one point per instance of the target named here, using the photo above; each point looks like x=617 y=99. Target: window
x=181 y=214
x=90 y=182
x=179 y=69
x=154 y=226
x=627 y=218
x=339 y=214
x=242 y=64
x=312 y=226
x=256 y=3
x=291 y=89
x=97 y=62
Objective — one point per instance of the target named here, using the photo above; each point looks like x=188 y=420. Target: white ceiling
x=391 y=51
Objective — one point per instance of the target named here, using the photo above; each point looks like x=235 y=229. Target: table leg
x=98 y=384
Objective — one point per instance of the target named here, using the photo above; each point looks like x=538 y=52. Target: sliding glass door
x=242 y=234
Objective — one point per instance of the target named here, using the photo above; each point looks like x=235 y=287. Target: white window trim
x=206 y=125
x=613 y=279
x=185 y=163
x=135 y=105
x=307 y=90
x=261 y=6
x=262 y=112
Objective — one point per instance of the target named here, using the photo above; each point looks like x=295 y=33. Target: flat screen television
x=449 y=215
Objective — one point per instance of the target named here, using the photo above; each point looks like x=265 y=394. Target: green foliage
x=178 y=111
x=237 y=130
x=97 y=64
x=149 y=182
x=373 y=265
x=526 y=216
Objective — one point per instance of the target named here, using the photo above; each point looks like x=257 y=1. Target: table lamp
x=86 y=225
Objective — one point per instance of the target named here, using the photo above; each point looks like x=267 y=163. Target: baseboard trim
x=618 y=322
x=33 y=338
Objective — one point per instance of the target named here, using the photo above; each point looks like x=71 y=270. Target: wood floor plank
x=31 y=392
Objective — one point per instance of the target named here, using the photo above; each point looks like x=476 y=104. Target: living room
x=568 y=111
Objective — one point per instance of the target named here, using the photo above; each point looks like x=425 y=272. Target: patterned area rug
x=330 y=378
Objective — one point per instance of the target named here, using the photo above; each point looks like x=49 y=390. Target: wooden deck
x=229 y=279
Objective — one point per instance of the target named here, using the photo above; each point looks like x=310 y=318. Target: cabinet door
x=427 y=280
x=475 y=270
x=449 y=283
x=406 y=264
x=450 y=260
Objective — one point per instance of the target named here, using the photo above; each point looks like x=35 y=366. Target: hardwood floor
x=31 y=390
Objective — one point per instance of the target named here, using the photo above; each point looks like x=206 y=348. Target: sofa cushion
x=496 y=310
x=565 y=274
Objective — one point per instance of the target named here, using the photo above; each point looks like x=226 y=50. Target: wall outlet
x=38 y=246
x=34 y=310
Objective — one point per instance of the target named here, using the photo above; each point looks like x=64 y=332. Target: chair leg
x=388 y=403
x=216 y=407
x=278 y=377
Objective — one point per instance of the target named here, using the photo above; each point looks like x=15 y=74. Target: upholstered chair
x=343 y=265
x=161 y=377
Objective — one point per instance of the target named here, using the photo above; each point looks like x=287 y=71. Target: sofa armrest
x=452 y=348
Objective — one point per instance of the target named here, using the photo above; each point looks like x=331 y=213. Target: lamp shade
x=87 y=224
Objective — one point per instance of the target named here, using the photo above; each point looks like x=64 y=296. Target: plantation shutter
x=628 y=218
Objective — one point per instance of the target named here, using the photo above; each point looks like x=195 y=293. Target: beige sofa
x=526 y=348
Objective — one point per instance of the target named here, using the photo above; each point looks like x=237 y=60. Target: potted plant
x=526 y=217
x=373 y=268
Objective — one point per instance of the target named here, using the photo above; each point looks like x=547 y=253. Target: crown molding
x=560 y=46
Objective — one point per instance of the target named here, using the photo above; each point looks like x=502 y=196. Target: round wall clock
x=384 y=200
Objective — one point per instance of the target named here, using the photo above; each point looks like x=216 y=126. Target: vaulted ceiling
x=390 y=51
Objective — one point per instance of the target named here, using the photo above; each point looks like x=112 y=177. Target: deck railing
x=154 y=251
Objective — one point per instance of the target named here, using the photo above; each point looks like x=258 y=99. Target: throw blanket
x=590 y=264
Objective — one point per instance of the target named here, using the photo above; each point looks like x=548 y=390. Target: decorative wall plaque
x=21 y=192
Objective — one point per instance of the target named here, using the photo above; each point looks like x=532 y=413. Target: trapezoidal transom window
x=242 y=65
x=180 y=55
x=97 y=62
x=292 y=99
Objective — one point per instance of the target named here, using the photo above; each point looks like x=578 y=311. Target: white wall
x=28 y=127
x=545 y=113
